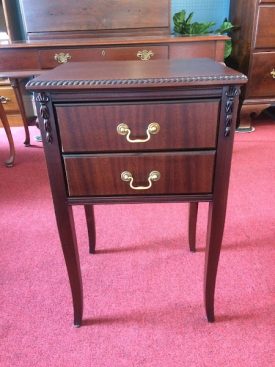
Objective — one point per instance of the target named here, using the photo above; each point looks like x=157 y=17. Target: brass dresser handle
x=4 y=99
x=273 y=73
x=145 y=55
x=152 y=129
x=128 y=177
x=62 y=58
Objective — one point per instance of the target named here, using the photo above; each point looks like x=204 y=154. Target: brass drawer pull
x=273 y=73
x=4 y=99
x=62 y=58
x=145 y=55
x=153 y=128
x=127 y=177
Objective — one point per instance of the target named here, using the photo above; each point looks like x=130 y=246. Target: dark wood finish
x=181 y=173
x=63 y=212
x=47 y=19
x=37 y=55
x=3 y=117
x=90 y=219
x=68 y=31
x=186 y=175
x=91 y=128
x=48 y=61
x=262 y=84
x=217 y=207
x=265 y=36
x=192 y=225
x=253 y=54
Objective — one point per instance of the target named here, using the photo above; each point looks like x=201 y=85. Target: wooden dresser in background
x=58 y=32
x=87 y=30
x=254 y=55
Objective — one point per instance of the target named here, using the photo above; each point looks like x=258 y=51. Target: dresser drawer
x=8 y=99
x=101 y=175
x=265 y=36
x=182 y=125
x=51 y=58
x=261 y=83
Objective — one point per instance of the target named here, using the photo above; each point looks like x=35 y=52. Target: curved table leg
x=216 y=219
x=90 y=218
x=16 y=88
x=66 y=229
x=193 y=215
x=10 y=161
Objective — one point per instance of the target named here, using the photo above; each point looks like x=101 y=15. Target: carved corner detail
x=231 y=93
x=43 y=100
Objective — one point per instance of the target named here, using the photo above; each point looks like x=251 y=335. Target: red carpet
x=143 y=289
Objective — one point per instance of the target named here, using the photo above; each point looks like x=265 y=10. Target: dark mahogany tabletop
x=129 y=74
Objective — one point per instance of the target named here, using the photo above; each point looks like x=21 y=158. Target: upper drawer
x=261 y=79
x=177 y=125
x=142 y=174
x=265 y=33
x=51 y=58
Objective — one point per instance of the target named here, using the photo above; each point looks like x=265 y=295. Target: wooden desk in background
x=15 y=77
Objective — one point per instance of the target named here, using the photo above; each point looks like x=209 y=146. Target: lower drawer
x=261 y=79
x=140 y=174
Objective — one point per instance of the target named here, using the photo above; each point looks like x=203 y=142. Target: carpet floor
x=143 y=300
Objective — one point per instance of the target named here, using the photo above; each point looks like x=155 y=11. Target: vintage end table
x=138 y=132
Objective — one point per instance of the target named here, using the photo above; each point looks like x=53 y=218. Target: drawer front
x=15 y=59
x=92 y=128
x=265 y=34
x=193 y=49
x=8 y=99
x=51 y=58
x=261 y=80
x=180 y=173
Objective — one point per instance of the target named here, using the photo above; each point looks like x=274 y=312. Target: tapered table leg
x=90 y=219
x=10 y=161
x=193 y=215
x=216 y=219
x=66 y=228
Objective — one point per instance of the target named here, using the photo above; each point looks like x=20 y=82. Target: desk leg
x=90 y=219
x=66 y=228
x=16 y=88
x=10 y=161
x=193 y=215
x=216 y=219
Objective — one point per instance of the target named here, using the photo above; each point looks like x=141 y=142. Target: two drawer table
x=138 y=132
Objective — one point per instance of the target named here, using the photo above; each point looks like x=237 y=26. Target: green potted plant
x=184 y=25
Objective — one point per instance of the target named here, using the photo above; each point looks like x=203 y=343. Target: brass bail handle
x=128 y=177
x=152 y=129
x=4 y=99
x=62 y=58
x=273 y=73
x=145 y=55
